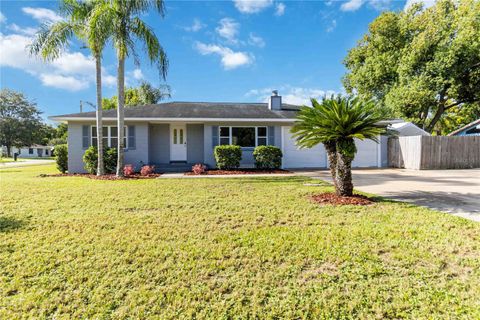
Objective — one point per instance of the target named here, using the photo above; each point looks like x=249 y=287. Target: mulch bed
x=333 y=199
x=215 y=172
x=104 y=177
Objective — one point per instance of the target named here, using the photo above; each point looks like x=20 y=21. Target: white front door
x=178 y=142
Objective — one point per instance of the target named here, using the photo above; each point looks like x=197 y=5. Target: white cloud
x=332 y=26
x=426 y=3
x=26 y=31
x=252 y=6
x=354 y=5
x=64 y=82
x=109 y=80
x=291 y=95
x=228 y=30
x=2 y=18
x=279 y=9
x=196 y=26
x=72 y=71
x=230 y=59
x=137 y=74
x=42 y=14
x=256 y=40
x=351 y=5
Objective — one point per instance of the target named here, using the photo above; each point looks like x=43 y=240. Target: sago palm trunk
x=343 y=174
x=120 y=115
x=331 y=149
x=101 y=167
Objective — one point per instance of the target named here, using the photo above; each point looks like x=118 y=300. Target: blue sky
x=218 y=51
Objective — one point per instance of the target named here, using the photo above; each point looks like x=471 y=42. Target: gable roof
x=194 y=111
x=468 y=126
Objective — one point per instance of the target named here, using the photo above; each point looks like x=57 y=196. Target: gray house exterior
x=184 y=133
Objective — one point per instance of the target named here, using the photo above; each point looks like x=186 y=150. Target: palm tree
x=335 y=123
x=121 y=19
x=53 y=38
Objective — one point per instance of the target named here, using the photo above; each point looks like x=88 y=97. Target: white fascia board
x=63 y=119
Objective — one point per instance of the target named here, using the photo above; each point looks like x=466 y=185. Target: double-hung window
x=110 y=136
x=247 y=137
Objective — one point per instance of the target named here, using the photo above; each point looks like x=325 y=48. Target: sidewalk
x=25 y=162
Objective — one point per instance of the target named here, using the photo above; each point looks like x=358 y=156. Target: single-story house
x=180 y=134
x=33 y=151
x=471 y=129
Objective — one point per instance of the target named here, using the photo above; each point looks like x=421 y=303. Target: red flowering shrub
x=199 y=168
x=128 y=170
x=147 y=170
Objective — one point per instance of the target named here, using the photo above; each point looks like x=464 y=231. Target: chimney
x=275 y=102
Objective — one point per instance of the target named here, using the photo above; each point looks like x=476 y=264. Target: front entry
x=178 y=142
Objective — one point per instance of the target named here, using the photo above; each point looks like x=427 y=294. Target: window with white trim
x=110 y=136
x=243 y=136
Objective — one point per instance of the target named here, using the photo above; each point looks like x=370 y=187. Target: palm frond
x=335 y=119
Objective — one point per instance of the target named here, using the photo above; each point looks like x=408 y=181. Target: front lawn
x=8 y=159
x=72 y=247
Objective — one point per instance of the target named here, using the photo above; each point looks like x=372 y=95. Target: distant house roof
x=466 y=127
x=408 y=129
x=194 y=111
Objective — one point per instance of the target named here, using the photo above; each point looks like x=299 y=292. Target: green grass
x=8 y=159
x=72 y=247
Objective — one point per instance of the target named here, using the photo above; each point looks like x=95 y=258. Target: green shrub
x=228 y=156
x=61 y=157
x=110 y=156
x=267 y=157
x=90 y=160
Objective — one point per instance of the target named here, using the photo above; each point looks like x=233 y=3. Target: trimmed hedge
x=267 y=157
x=90 y=160
x=228 y=156
x=61 y=157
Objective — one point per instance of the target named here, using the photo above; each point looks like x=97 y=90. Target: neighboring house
x=471 y=129
x=34 y=151
x=185 y=133
x=408 y=129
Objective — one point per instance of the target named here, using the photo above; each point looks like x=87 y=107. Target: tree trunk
x=101 y=167
x=331 y=149
x=436 y=118
x=120 y=115
x=345 y=155
x=9 y=151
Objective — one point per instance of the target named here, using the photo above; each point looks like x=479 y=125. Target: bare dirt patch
x=104 y=177
x=237 y=171
x=333 y=199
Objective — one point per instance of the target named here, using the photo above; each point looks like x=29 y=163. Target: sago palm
x=121 y=19
x=335 y=123
x=54 y=38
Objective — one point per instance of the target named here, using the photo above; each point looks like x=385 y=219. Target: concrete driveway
x=452 y=191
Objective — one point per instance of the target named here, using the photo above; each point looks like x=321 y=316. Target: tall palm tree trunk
x=98 y=66
x=343 y=174
x=120 y=115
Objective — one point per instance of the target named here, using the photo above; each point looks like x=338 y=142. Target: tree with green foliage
x=335 y=123
x=421 y=64
x=120 y=19
x=141 y=95
x=54 y=38
x=19 y=120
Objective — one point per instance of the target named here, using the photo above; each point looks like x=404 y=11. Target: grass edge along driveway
x=225 y=248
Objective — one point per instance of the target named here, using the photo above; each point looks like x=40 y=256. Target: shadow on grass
x=5 y=170
x=8 y=224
